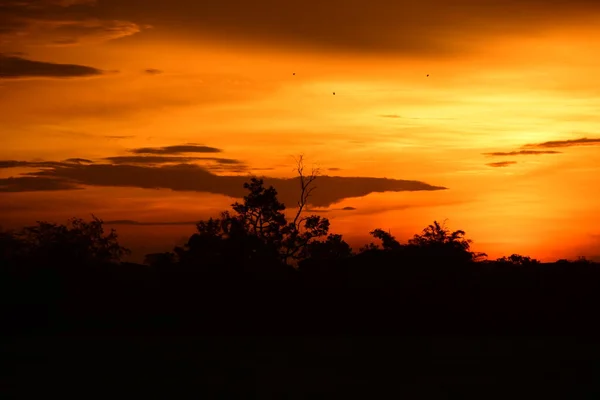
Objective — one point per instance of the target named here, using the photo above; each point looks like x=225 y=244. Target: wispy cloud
x=31 y=164
x=72 y=32
x=118 y=137
x=79 y=160
x=565 y=143
x=69 y=3
x=501 y=164
x=140 y=223
x=168 y=159
x=178 y=149
x=324 y=210
x=35 y=184
x=13 y=67
x=58 y=23
x=522 y=153
x=44 y=4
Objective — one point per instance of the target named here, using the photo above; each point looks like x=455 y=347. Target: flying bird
x=334 y=93
x=427 y=75
x=294 y=73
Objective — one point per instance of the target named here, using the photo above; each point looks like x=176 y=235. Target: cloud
x=215 y=163
x=138 y=223
x=79 y=160
x=34 y=184
x=12 y=67
x=119 y=136
x=326 y=210
x=431 y=28
x=69 y=3
x=70 y=32
x=168 y=159
x=565 y=143
x=263 y=169
x=178 y=149
x=29 y=164
x=153 y=71
x=58 y=23
x=416 y=118
x=43 y=4
x=189 y=177
x=501 y=164
x=522 y=153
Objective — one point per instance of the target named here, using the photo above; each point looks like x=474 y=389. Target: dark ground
x=298 y=367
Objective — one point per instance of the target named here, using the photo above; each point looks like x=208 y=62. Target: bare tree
x=306 y=188
x=303 y=230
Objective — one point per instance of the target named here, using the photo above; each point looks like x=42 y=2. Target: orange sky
x=504 y=77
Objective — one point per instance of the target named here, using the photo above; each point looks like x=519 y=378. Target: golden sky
x=101 y=101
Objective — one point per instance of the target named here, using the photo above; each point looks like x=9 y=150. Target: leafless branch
x=306 y=187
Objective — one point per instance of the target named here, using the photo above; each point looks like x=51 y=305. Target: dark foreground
x=425 y=332
x=298 y=367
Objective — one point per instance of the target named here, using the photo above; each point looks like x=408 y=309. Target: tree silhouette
x=302 y=230
x=230 y=240
x=388 y=241
x=437 y=233
x=78 y=242
x=257 y=230
x=517 y=259
x=261 y=213
x=437 y=239
x=333 y=248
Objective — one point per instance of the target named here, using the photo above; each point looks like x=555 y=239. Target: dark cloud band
x=13 y=67
x=566 y=143
x=189 y=177
x=501 y=164
x=522 y=153
x=178 y=149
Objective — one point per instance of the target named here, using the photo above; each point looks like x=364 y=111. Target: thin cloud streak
x=501 y=164
x=35 y=184
x=565 y=143
x=522 y=153
x=13 y=67
x=178 y=149
x=140 y=223
x=168 y=159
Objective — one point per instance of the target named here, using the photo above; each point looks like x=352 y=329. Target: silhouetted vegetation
x=253 y=270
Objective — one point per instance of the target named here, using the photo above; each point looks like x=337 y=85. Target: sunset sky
x=101 y=102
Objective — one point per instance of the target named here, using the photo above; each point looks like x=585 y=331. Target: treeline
x=254 y=268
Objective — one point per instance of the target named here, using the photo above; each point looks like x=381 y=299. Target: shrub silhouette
x=517 y=259
x=77 y=243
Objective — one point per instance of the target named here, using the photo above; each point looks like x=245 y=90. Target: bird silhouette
x=294 y=73
x=334 y=93
x=427 y=75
